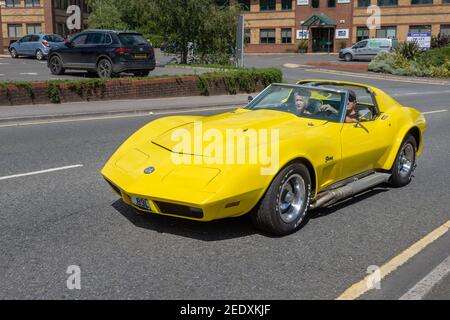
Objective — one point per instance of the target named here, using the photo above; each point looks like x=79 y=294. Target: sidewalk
x=116 y=107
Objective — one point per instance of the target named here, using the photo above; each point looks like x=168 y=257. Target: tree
x=203 y=25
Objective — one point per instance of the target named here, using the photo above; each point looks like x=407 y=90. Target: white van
x=367 y=49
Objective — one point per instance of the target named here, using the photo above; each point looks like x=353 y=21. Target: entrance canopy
x=319 y=20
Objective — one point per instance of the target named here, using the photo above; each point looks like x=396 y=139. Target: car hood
x=241 y=121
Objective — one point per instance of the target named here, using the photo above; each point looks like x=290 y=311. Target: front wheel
x=56 y=66
x=404 y=163
x=283 y=208
x=13 y=53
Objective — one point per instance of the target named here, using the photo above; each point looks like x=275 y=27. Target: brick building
x=398 y=17
x=22 y=17
x=328 y=25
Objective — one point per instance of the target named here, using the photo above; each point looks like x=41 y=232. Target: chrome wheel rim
x=55 y=65
x=13 y=53
x=104 y=69
x=39 y=55
x=406 y=161
x=291 y=198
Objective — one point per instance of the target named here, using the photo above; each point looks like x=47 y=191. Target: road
x=52 y=220
x=30 y=69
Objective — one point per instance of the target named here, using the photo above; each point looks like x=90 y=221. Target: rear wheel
x=284 y=206
x=40 y=55
x=105 y=69
x=405 y=162
x=56 y=66
x=348 y=57
x=13 y=53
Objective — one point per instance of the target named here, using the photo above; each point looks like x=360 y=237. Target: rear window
x=54 y=38
x=130 y=39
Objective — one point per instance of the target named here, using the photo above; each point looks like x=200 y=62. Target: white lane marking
x=134 y=115
x=40 y=172
x=28 y=74
x=2 y=75
x=437 y=111
x=424 y=286
x=2 y=63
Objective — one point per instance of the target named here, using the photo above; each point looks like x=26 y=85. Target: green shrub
x=435 y=57
x=155 y=40
x=408 y=50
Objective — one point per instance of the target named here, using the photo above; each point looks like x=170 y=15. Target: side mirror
x=250 y=98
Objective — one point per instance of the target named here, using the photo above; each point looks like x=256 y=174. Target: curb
x=104 y=114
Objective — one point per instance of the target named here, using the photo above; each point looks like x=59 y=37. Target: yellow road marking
x=361 y=287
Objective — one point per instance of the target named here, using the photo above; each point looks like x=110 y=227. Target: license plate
x=140 y=56
x=141 y=203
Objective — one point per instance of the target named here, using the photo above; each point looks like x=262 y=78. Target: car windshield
x=54 y=38
x=132 y=39
x=302 y=101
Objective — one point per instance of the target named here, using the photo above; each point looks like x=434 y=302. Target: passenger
x=352 y=115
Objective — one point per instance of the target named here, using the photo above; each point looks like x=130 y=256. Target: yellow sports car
x=291 y=149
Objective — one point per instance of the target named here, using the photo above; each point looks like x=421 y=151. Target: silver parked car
x=368 y=49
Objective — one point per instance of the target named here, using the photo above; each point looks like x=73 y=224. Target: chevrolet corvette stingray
x=303 y=146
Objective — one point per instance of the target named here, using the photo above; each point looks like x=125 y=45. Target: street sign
x=240 y=42
x=423 y=39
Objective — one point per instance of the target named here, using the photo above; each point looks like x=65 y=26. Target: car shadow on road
x=206 y=231
x=226 y=228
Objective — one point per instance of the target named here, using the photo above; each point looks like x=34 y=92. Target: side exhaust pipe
x=351 y=189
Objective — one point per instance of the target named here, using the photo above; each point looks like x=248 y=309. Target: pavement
x=51 y=220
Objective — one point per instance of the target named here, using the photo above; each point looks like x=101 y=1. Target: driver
x=302 y=102
x=303 y=105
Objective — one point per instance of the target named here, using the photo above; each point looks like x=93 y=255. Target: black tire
x=348 y=57
x=105 y=69
x=13 y=53
x=56 y=66
x=405 y=162
x=40 y=55
x=269 y=215
x=143 y=73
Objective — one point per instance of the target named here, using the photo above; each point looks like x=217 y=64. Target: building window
x=34 y=28
x=446 y=1
x=421 y=1
x=286 y=4
x=445 y=30
x=247 y=36
x=267 y=5
x=14 y=30
x=286 y=35
x=32 y=3
x=267 y=36
x=61 y=29
x=61 y=4
x=315 y=3
x=244 y=4
x=387 y=32
x=386 y=3
x=420 y=28
x=12 y=3
x=331 y=3
x=362 y=33
x=363 y=3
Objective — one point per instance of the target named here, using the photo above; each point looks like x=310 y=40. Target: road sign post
x=240 y=42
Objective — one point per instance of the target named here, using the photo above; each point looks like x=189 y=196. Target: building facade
x=21 y=17
x=328 y=25
x=398 y=17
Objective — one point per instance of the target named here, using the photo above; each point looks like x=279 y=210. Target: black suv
x=104 y=53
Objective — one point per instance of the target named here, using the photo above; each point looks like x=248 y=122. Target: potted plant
x=303 y=46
